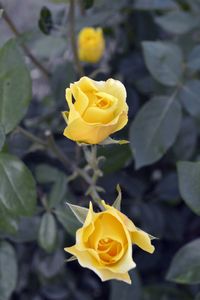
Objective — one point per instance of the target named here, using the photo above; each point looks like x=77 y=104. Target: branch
x=31 y=136
x=50 y=144
x=13 y=28
x=72 y=36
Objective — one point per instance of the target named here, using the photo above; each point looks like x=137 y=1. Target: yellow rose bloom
x=96 y=110
x=104 y=243
x=91 y=44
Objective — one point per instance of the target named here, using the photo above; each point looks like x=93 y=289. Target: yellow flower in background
x=91 y=44
x=96 y=110
x=104 y=243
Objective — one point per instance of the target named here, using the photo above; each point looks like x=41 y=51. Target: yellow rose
x=96 y=109
x=104 y=243
x=91 y=44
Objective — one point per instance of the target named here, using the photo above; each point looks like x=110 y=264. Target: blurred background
x=153 y=47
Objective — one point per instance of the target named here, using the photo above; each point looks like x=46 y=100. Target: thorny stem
x=72 y=35
x=50 y=144
x=93 y=165
x=13 y=28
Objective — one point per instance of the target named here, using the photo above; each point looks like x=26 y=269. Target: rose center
x=108 y=250
x=89 y=38
x=104 y=100
x=103 y=103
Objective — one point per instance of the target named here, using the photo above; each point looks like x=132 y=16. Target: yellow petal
x=107 y=226
x=86 y=121
x=86 y=84
x=87 y=260
x=86 y=230
x=142 y=240
x=91 y=44
x=122 y=121
x=81 y=131
x=98 y=115
x=127 y=222
x=126 y=263
x=85 y=34
x=108 y=275
x=73 y=114
x=116 y=89
x=81 y=100
x=138 y=237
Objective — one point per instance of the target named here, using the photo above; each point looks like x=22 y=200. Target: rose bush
x=104 y=243
x=91 y=44
x=96 y=109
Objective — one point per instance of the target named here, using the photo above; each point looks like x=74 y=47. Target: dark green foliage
x=88 y=3
x=15 y=86
x=185 y=266
x=8 y=270
x=152 y=46
x=45 y=21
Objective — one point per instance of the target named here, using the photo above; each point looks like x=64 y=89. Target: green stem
x=81 y=6
x=72 y=35
x=50 y=144
x=93 y=164
x=31 y=136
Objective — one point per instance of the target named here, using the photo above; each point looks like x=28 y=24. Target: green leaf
x=155 y=4
x=177 y=22
x=45 y=173
x=8 y=270
x=2 y=136
x=118 y=200
x=164 y=62
x=110 y=141
x=164 y=292
x=45 y=22
x=185 y=266
x=49 y=46
x=1 y=12
x=17 y=186
x=189 y=96
x=124 y=291
x=7 y=222
x=47 y=237
x=194 y=59
x=186 y=141
x=79 y=212
x=150 y=133
x=189 y=178
x=28 y=228
x=116 y=157
x=68 y=220
x=15 y=86
x=58 y=191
